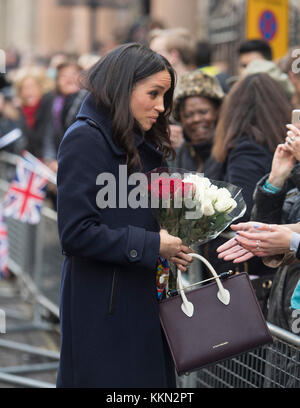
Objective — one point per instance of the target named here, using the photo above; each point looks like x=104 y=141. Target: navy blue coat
x=110 y=330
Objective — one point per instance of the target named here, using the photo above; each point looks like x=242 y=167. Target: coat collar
x=101 y=119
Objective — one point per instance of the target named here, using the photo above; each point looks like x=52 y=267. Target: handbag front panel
x=215 y=331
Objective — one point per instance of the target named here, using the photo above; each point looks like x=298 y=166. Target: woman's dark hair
x=256 y=107
x=112 y=80
x=257 y=45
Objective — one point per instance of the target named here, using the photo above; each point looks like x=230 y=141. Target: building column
x=181 y=14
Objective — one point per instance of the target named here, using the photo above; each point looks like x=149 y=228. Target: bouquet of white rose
x=191 y=206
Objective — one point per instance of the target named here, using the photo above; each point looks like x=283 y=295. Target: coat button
x=133 y=253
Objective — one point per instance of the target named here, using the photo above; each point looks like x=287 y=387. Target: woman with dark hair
x=111 y=334
x=251 y=125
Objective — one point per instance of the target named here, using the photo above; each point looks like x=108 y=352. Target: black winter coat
x=193 y=157
x=110 y=329
x=246 y=163
x=282 y=207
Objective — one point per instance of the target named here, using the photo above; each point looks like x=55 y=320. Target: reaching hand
x=233 y=251
x=176 y=136
x=282 y=164
x=255 y=239
x=267 y=240
x=293 y=141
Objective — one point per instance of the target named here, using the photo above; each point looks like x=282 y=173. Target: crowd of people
x=231 y=128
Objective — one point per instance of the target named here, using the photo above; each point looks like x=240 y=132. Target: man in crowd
x=251 y=50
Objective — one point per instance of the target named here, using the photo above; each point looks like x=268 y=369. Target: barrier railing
x=35 y=260
x=276 y=365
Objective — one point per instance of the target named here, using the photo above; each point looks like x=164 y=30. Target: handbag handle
x=223 y=294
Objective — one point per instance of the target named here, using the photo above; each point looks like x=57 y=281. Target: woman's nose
x=160 y=106
x=197 y=117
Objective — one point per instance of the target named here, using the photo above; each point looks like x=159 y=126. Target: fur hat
x=270 y=68
x=196 y=83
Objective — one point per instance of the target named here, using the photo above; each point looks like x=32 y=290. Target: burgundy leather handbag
x=214 y=322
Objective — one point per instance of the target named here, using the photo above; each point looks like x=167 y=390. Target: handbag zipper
x=113 y=293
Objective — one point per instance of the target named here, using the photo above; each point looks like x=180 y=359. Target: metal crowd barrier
x=35 y=259
x=276 y=365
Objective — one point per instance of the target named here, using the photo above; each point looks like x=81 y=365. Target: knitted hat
x=270 y=68
x=196 y=83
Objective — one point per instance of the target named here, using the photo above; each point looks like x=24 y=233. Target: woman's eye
x=153 y=94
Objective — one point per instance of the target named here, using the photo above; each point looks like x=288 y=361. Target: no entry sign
x=268 y=20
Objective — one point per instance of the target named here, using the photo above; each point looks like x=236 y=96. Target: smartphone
x=296 y=118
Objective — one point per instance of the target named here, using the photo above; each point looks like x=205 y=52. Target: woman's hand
x=169 y=245
x=176 y=136
x=255 y=239
x=182 y=259
x=293 y=141
x=267 y=240
x=172 y=249
x=233 y=251
x=282 y=164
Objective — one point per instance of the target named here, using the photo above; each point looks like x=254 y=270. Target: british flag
x=3 y=246
x=26 y=193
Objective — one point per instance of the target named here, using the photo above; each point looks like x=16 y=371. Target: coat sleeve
x=268 y=206
x=81 y=224
x=247 y=163
x=295 y=175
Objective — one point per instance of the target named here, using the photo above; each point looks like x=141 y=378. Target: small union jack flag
x=3 y=246
x=26 y=193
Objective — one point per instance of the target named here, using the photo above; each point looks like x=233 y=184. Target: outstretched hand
x=255 y=239
x=233 y=251
x=266 y=240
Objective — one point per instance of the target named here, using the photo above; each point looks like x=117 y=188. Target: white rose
x=223 y=194
x=233 y=204
x=225 y=204
x=212 y=192
x=207 y=208
x=201 y=183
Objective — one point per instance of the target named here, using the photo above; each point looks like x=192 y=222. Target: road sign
x=96 y=3
x=268 y=20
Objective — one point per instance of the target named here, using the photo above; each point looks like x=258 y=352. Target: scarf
x=29 y=112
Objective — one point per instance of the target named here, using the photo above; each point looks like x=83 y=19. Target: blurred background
x=35 y=30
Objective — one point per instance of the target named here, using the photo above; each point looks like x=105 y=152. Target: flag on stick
x=3 y=246
x=26 y=193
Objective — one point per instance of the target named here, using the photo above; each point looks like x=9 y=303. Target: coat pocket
x=113 y=293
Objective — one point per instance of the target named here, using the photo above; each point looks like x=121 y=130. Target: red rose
x=185 y=189
x=164 y=187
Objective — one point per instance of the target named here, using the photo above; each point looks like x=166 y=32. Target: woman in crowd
x=32 y=87
x=251 y=125
x=67 y=88
x=197 y=100
x=111 y=333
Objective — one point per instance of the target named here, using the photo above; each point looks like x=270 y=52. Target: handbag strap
x=223 y=294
